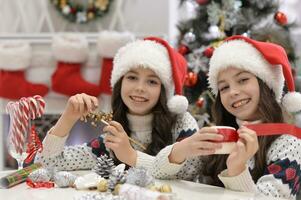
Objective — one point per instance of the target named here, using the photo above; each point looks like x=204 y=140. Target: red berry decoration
x=183 y=49
x=280 y=18
x=200 y=102
x=202 y=2
x=191 y=79
x=208 y=52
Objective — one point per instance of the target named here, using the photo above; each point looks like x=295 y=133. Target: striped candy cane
x=21 y=112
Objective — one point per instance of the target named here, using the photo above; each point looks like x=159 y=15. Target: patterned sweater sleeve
x=77 y=157
x=281 y=177
x=184 y=127
x=188 y=170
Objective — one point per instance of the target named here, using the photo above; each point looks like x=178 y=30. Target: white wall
x=143 y=17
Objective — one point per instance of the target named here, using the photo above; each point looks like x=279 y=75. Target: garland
x=78 y=13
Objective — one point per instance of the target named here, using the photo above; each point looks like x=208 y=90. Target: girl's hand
x=77 y=106
x=119 y=143
x=245 y=149
x=200 y=143
x=80 y=105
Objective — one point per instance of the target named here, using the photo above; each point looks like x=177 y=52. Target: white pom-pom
x=177 y=104
x=292 y=101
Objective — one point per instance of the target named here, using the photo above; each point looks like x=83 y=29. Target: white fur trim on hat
x=70 y=47
x=177 y=104
x=147 y=54
x=292 y=101
x=109 y=42
x=242 y=55
x=14 y=55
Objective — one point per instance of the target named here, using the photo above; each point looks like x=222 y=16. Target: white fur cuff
x=110 y=41
x=71 y=48
x=14 y=55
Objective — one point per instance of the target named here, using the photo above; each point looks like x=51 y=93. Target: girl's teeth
x=238 y=104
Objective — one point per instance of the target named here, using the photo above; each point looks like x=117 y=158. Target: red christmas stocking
x=71 y=51
x=108 y=44
x=14 y=59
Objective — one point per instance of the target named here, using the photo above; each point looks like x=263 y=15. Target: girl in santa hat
x=247 y=77
x=147 y=80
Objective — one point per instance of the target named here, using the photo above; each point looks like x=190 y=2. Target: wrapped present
x=19 y=176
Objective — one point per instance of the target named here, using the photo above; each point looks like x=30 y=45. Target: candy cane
x=22 y=112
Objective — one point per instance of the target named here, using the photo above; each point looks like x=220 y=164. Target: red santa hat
x=267 y=61
x=156 y=54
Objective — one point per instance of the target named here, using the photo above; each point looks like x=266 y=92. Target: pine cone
x=104 y=166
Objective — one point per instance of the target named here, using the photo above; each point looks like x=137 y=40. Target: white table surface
x=184 y=190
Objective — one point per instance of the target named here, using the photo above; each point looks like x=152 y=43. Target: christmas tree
x=215 y=20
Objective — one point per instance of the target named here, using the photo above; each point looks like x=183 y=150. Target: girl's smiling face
x=239 y=91
x=140 y=90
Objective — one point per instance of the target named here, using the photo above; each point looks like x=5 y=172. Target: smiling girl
x=147 y=80
x=247 y=77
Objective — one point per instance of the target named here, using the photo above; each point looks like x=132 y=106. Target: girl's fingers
x=117 y=125
x=208 y=145
x=241 y=148
x=111 y=129
x=204 y=152
x=80 y=103
x=111 y=145
x=209 y=136
x=208 y=130
x=111 y=138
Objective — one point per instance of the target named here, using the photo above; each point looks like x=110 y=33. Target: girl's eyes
x=243 y=80
x=131 y=77
x=153 y=82
x=223 y=88
x=134 y=78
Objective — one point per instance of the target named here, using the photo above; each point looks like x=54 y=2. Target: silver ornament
x=189 y=37
x=139 y=176
x=64 y=179
x=40 y=175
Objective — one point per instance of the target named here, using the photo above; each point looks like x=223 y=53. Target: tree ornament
x=165 y=188
x=104 y=166
x=189 y=37
x=118 y=176
x=40 y=175
x=202 y=2
x=191 y=79
x=280 y=18
x=200 y=102
x=183 y=49
x=102 y=186
x=81 y=13
x=64 y=179
x=139 y=176
x=208 y=52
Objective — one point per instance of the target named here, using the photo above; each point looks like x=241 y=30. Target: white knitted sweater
x=281 y=178
x=83 y=156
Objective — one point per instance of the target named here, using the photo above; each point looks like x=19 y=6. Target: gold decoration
x=116 y=189
x=102 y=186
x=101 y=117
x=102 y=4
x=90 y=15
x=97 y=117
x=166 y=188
x=217 y=43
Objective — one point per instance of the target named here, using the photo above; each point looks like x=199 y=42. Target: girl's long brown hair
x=269 y=111
x=162 y=122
